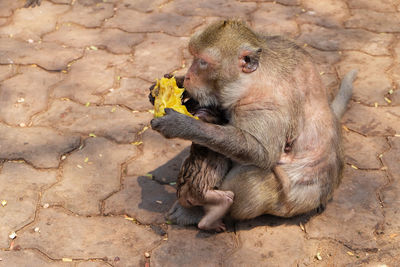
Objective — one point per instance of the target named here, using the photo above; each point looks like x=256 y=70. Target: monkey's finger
x=179 y=81
x=154 y=124
x=151 y=99
x=170 y=111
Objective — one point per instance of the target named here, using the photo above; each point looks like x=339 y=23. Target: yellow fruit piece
x=168 y=95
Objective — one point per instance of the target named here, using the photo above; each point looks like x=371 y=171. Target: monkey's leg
x=257 y=191
x=216 y=204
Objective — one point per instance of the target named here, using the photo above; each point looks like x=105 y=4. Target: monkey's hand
x=173 y=124
x=32 y=3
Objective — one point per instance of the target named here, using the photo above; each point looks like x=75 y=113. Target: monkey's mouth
x=191 y=104
x=211 y=114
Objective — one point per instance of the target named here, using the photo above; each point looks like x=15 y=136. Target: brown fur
x=279 y=116
x=204 y=169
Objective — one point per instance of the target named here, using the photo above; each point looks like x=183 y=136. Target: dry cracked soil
x=85 y=182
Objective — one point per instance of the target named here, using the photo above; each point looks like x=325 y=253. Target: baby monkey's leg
x=216 y=204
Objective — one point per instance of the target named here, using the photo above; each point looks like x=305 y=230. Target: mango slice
x=168 y=95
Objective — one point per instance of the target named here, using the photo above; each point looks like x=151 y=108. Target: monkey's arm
x=233 y=142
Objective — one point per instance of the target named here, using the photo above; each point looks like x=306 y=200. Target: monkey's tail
x=343 y=97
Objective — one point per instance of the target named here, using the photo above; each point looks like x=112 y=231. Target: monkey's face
x=214 y=74
x=200 y=80
x=225 y=53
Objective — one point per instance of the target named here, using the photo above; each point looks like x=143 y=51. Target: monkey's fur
x=274 y=99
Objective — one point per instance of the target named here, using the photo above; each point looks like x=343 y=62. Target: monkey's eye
x=247 y=59
x=203 y=64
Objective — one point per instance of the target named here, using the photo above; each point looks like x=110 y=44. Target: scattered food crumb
x=36 y=229
x=147 y=255
x=63 y=157
x=354 y=167
x=21 y=100
x=86 y=160
x=350 y=253
x=318 y=256
x=93 y=47
x=46 y=205
x=92 y=135
x=302 y=227
x=129 y=218
x=149 y=175
x=113 y=109
x=4 y=203
x=137 y=143
x=159 y=201
x=22 y=124
x=66 y=260
x=12 y=235
x=144 y=129
x=388 y=100
x=79 y=166
x=172 y=183
x=87 y=104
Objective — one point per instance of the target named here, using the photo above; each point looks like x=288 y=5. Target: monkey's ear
x=249 y=59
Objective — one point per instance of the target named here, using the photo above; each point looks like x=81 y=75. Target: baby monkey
x=200 y=177
x=203 y=170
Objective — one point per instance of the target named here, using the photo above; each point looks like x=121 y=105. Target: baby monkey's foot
x=217 y=226
x=218 y=204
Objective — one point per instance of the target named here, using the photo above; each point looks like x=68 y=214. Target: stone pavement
x=85 y=182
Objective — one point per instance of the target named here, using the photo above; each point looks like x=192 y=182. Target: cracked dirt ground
x=85 y=182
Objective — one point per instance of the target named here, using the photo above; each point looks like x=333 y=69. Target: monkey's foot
x=184 y=216
x=217 y=226
x=220 y=201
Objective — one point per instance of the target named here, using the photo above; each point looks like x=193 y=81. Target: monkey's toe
x=217 y=226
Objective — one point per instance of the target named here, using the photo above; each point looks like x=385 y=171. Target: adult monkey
x=278 y=114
